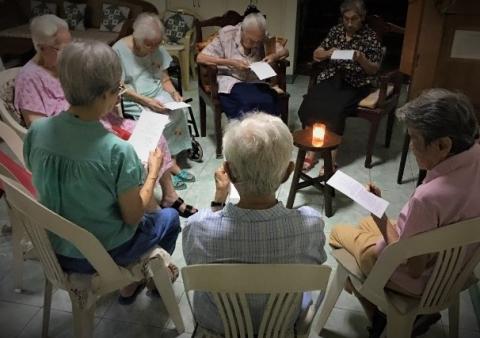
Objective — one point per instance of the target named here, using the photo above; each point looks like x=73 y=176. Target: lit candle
x=318 y=134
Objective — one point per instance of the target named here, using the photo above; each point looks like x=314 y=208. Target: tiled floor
x=21 y=314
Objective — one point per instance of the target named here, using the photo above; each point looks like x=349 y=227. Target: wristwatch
x=214 y=204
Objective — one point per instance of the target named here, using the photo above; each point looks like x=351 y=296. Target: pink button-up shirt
x=227 y=45
x=450 y=193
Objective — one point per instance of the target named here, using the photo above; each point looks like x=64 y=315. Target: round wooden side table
x=302 y=139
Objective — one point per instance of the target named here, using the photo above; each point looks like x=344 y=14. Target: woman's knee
x=169 y=217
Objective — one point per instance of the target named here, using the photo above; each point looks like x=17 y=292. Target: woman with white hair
x=233 y=50
x=258 y=229
x=38 y=93
x=90 y=176
x=144 y=64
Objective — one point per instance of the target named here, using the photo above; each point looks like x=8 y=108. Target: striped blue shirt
x=235 y=235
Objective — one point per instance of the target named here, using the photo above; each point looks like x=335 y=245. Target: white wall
x=281 y=14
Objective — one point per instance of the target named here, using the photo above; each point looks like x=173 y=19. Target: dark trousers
x=246 y=97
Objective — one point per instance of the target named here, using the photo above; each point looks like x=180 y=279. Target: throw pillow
x=42 y=7
x=113 y=17
x=176 y=26
x=75 y=15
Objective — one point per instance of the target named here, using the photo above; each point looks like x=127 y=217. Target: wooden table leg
x=296 y=177
x=327 y=190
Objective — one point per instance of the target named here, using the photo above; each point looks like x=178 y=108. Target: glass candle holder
x=318 y=134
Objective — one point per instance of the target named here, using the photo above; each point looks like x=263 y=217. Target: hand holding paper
x=357 y=192
x=263 y=70
x=147 y=133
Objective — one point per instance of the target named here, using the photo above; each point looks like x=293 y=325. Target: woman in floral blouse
x=342 y=83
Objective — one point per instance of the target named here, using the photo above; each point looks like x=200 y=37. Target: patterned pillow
x=177 y=25
x=7 y=94
x=75 y=15
x=42 y=7
x=113 y=18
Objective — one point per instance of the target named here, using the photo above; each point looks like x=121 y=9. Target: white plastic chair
x=84 y=290
x=7 y=110
x=230 y=283
x=450 y=275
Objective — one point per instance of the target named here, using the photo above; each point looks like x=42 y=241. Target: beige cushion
x=371 y=100
x=7 y=94
x=22 y=31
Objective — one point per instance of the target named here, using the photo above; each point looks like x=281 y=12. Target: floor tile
x=14 y=317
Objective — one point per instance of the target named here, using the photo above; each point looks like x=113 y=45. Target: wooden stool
x=302 y=139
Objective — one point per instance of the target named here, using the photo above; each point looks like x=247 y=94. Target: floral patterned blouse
x=364 y=40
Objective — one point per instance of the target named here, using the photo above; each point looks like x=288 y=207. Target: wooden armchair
x=208 y=86
x=381 y=102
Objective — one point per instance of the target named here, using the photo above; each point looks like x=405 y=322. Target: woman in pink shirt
x=38 y=94
x=443 y=130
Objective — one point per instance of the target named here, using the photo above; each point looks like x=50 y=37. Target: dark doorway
x=316 y=17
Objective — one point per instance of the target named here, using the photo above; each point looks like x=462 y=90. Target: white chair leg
x=453 y=318
x=399 y=325
x=17 y=234
x=333 y=292
x=83 y=314
x=165 y=289
x=47 y=303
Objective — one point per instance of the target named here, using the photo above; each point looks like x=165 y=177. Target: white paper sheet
x=147 y=133
x=346 y=54
x=175 y=105
x=263 y=70
x=357 y=192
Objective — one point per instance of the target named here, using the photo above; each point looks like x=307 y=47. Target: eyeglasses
x=121 y=89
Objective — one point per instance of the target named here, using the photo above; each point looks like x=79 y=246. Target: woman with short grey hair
x=148 y=85
x=443 y=127
x=92 y=177
x=257 y=229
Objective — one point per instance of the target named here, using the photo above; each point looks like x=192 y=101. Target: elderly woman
x=259 y=229
x=442 y=126
x=343 y=83
x=144 y=64
x=233 y=50
x=72 y=157
x=38 y=94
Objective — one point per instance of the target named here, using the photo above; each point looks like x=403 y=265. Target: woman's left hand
x=177 y=97
x=270 y=58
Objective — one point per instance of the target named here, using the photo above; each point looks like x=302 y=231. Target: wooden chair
x=207 y=80
x=84 y=290
x=233 y=283
x=451 y=274
x=381 y=102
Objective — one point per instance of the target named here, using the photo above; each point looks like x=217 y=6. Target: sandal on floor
x=309 y=163
x=187 y=212
x=178 y=184
x=130 y=299
x=185 y=176
x=322 y=170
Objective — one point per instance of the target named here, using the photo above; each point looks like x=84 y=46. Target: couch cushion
x=22 y=31
x=371 y=100
x=96 y=34
x=7 y=94
x=75 y=15
x=41 y=7
x=113 y=17
x=177 y=25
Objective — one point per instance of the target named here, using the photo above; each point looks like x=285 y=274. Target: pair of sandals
x=174 y=272
x=310 y=162
x=186 y=212
x=179 y=179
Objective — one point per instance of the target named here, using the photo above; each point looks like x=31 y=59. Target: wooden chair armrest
x=210 y=78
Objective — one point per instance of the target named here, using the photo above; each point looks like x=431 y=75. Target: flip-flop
x=187 y=212
x=174 y=273
x=130 y=299
x=185 y=176
x=178 y=184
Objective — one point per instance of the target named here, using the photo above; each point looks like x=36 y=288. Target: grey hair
x=256 y=20
x=258 y=149
x=88 y=69
x=147 y=26
x=358 y=6
x=440 y=113
x=44 y=29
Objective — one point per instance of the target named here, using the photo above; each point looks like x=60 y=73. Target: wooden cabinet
x=433 y=54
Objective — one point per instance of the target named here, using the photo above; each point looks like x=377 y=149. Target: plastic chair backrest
x=13 y=170
x=13 y=141
x=450 y=273
x=284 y=283
x=37 y=220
